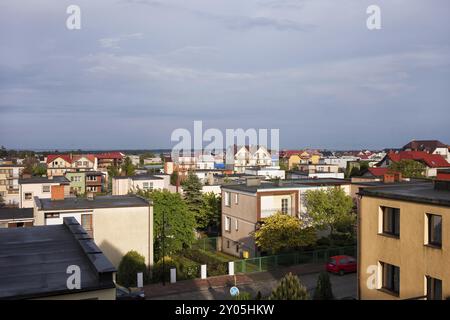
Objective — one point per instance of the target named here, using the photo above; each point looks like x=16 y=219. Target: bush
x=169 y=263
x=243 y=296
x=289 y=288
x=216 y=266
x=130 y=265
x=188 y=269
x=323 y=289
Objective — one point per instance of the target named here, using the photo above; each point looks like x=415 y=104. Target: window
x=227 y=199
x=51 y=215
x=391 y=221
x=236 y=225
x=86 y=223
x=236 y=198
x=391 y=277
x=434 y=230
x=85 y=163
x=151 y=186
x=227 y=224
x=228 y=244
x=28 y=195
x=45 y=189
x=284 y=206
x=434 y=289
x=237 y=248
x=145 y=185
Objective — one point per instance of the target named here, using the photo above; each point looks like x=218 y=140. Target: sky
x=139 y=69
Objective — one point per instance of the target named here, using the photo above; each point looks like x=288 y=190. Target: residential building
x=404 y=241
x=59 y=164
x=251 y=156
x=122 y=185
x=36 y=262
x=9 y=183
x=117 y=224
x=94 y=181
x=321 y=170
x=432 y=162
x=41 y=187
x=429 y=146
x=341 y=162
x=16 y=217
x=77 y=182
x=266 y=172
x=245 y=205
x=107 y=159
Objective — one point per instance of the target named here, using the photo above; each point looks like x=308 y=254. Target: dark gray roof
x=16 y=213
x=286 y=184
x=140 y=177
x=421 y=193
x=34 y=261
x=97 y=202
x=55 y=179
x=93 y=173
x=12 y=165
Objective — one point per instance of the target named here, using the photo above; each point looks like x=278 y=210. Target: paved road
x=344 y=286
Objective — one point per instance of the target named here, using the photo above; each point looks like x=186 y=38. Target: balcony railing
x=265 y=213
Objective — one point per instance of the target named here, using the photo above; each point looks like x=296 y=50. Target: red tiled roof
x=424 y=145
x=65 y=157
x=90 y=157
x=431 y=160
x=378 y=172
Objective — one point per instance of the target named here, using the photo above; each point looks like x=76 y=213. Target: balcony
x=265 y=213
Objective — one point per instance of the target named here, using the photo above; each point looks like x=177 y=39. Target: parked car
x=123 y=293
x=341 y=264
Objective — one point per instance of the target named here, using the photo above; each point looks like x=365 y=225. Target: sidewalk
x=158 y=290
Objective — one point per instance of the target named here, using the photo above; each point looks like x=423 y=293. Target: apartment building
x=117 y=224
x=429 y=146
x=59 y=164
x=319 y=170
x=16 y=217
x=251 y=156
x=123 y=185
x=77 y=182
x=273 y=172
x=9 y=183
x=245 y=205
x=404 y=241
x=34 y=264
x=107 y=159
x=41 y=187
x=94 y=181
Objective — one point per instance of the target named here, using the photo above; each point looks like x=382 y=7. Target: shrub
x=243 y=295
x=289 y=288
x=188 y=269
x=216 y=266
x=131 y=264
x=169 y=263
x=323 y=289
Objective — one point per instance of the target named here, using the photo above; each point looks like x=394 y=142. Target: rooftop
x=55 y=179
x=34 y=261
x=421 y=193
x=140 y=177
x=286 y=184
x=96 y=202
x=16 y=213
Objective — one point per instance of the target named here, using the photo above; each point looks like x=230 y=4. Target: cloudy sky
x=138 y=69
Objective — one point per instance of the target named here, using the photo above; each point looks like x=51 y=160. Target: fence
x=208 y=244
x=284 y=260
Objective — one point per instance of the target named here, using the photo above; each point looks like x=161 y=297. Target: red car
x=341 y=264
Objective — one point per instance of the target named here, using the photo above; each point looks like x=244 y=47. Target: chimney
x=57 y=193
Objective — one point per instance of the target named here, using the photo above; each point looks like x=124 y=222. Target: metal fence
x=289 y=259
x=208 y=244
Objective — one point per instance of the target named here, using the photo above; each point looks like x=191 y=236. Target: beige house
x=117 y=224
x=126 y=184
x=245 y=205
x=40 y=187
x=37 y=262
x=9 y=183
x=404 y=242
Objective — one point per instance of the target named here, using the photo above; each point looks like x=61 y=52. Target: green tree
x=328 y=207
x=323 y=289
x=130 y=265
x=408 y=168
x=179 y=227
x=289 y=288
x=281 y=232
x=174 y=178
x=128 y=168
x=192 y=188
x=113 y=171
x=212 y=212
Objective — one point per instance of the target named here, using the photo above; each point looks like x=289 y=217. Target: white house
x=40 y=187
x=127 y=184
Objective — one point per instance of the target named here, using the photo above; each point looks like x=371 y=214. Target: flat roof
x=421 y=193
x=34 y=261
x=12 y=165
x=97 y=202
x=286 y=184
x=55 y=179
x=16 y=213
x=140 y=177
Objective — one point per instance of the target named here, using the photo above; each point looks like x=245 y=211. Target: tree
x=328 y=207
x=131 y=264
x=113 y=171
x=192 y=188
x=179 y=225
x=323 y=289
x=128 y=168
x=408 y=168
x=289 y=288
x=174 y=178
x=283 y=232
x=2 y=201
x=211 y=212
